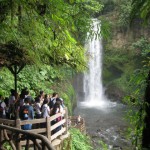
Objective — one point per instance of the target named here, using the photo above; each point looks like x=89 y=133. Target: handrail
x=47 y=130
x=32 y=136
x=79 y=125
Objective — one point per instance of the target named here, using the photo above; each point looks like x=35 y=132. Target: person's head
x=55 y=107
x=27 y=100
x=46 y=96
x=45 y=101
x=37 y=99
x=27 y=92
x=42 y=93
x=55 y=95
x=58 y=101
x=62 y=101
x=6 y=100
x=12 y=91
x=23 y=91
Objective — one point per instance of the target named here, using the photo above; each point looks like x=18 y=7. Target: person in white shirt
x=45 y=109
x=12 y=97
x=37 y=107
x=2 y=107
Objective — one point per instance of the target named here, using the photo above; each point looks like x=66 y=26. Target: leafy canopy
x=48 y=30
x=141 y=8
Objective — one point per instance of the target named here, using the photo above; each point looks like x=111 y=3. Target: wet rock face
x=114 y=93
x=113 y=138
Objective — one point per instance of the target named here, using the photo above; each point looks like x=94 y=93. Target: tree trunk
x=15 y=78
x=146 y=130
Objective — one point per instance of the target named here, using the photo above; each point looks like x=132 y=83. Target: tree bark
x=146 y=130
x=15 y=78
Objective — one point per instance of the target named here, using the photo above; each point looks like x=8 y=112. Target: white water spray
x=93 y=87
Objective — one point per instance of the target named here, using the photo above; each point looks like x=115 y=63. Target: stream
x=105 y=123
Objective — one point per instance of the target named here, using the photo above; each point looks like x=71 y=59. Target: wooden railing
x=75 y=124
x=46 y=131
x=15 y=137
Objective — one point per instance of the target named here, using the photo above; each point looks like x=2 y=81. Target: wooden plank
x=7 y=122
x=44 y=140
x=56 y=142
x=62 y=137
x=66 y=123
x=18 y=145
x=37 y=131
x=55 y=116
x=48 y=126
x=34 y=121
x=30 y=142
x=58 y=124
x=58 y=133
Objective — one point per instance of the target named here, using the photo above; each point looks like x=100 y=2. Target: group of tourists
x=23 y=106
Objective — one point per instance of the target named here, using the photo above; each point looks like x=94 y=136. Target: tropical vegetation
x=126 y=64
x=42 y=47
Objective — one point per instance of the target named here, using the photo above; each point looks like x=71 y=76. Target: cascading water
x=104 y=119
x=93 y=87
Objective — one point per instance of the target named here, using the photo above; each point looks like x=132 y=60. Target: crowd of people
x=25 y=107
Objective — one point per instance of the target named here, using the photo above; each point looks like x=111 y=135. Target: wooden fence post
x=84 y=131
x=48 y=128
x=1 y=137
x=18 y=145
x=66 y=123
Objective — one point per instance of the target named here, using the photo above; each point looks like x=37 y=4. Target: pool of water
x=105 y=122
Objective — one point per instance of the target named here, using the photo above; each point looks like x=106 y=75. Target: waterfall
x=92 y=81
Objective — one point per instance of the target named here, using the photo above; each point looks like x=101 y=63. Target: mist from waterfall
x=92 y=81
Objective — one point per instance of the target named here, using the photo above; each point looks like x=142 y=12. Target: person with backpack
x=57 y=109
x=53 y=100
x=27 y=113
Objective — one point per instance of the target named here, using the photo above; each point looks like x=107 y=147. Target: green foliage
x=124 y=13
x=137 y=105
x=109 y=6
x=142 y=47
x=7 y=146
x=103 y=146
x=105 y=28
x=79 y=141
x=140 y=8
x=49 y=79
x=93 y=6
x=6 y=82
x=117 y=69
x=47 y=30
x=35 y=79
x=132 y=57
x=68 y=94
